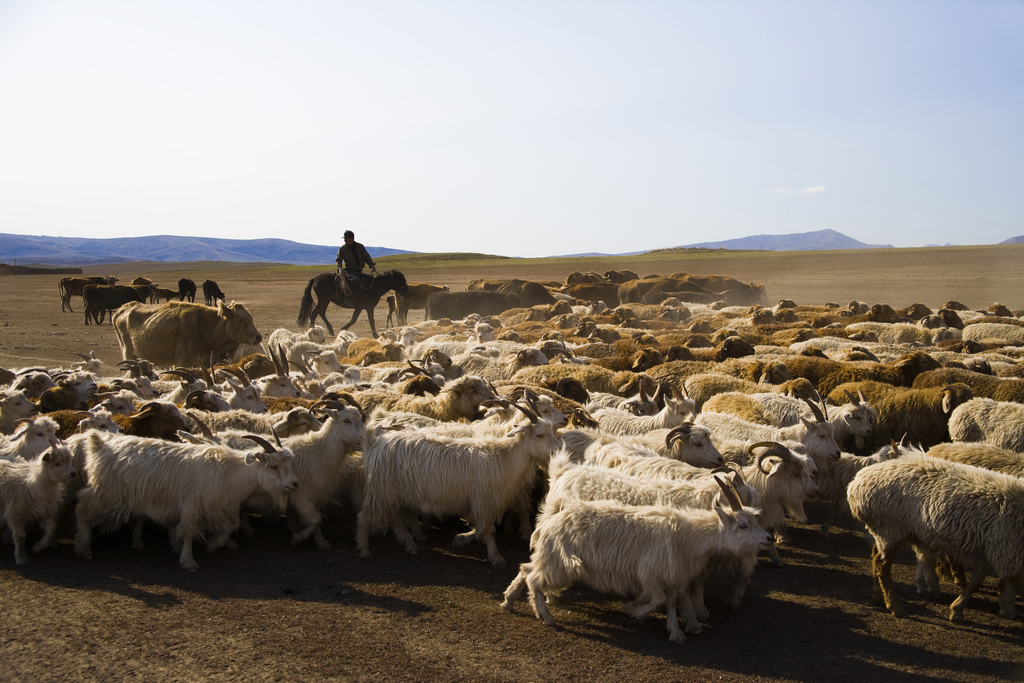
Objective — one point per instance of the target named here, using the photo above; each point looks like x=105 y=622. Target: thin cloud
x=820 y=189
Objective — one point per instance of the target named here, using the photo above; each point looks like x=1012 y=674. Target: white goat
x=32 y=439
x=678 y=409
x=817 y=437
x=185 y=486
x=319 y=465
x=14 y=406
x=429 y=473
x=32 y=491
x=650 y=553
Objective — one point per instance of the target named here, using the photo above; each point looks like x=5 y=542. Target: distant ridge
x=819 y=240
x=80 y=251
x=1014 y=240
x=594 y=254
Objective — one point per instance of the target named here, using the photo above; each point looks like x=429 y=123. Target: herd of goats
x=642 y=442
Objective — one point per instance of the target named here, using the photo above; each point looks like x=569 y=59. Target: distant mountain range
x=820 y=240
x=81 y=251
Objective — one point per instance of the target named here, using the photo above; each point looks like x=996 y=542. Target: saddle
x=355 y=281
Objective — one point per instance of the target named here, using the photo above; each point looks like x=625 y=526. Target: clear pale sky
x=517 y=128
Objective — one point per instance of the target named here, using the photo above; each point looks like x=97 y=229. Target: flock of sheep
x=643 y=449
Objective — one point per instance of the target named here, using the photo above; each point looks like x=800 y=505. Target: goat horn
x=769 y=451
x=503 y=402
x=241 y=375
x=417 y=369
x=282 y=364
x=192 y=396
x=267 y=448
x=184 y=374
x=277 y=439
x=824 y=408
x=202 y=426
x=533 y=416
x=730 y=495
x=337 y=405
x=816 y=410
x=677 y=433
x=853 y=399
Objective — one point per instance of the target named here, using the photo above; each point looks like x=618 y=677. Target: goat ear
x=518 y=429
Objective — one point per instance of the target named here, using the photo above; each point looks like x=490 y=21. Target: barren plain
x=273 y=611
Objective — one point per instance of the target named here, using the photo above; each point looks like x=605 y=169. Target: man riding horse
x=352 y=257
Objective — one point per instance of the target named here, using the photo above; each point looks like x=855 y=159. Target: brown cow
x=736 y=293
x=158 y=293
x=99 y=299
x=183 y=334
x=530 y=293
x=633 y=291
x=607 y=292
x=72 y=286
x=418 y=294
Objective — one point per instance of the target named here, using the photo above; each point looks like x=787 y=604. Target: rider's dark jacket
x=354 y=257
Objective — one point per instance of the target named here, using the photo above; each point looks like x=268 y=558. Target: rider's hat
x=349 y=233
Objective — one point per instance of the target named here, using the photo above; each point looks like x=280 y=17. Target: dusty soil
x=273 y=611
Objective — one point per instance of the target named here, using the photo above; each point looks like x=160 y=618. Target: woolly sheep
x=971 y=515
x=996 y=423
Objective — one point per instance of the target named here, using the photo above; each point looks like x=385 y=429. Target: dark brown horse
x=365 y=297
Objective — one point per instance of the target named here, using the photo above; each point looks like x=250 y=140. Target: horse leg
x=321 y=310
x=355 y=314
x=373 y=326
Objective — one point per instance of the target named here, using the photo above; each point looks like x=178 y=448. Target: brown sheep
x=920 y=415
x=827 y=374
x=154 y=420
x=984 y=386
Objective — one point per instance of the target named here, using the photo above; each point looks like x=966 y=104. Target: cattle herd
x=645 y=436
x=101 y=296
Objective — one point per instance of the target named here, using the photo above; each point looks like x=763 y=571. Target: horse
x=364 y=297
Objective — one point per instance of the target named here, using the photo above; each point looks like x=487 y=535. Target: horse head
x=398 y=283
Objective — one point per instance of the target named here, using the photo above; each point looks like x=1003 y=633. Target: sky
x=521 y=128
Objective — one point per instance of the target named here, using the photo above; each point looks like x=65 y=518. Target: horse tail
x=306 y=307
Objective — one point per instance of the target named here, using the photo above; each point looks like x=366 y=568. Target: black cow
x=102 y=298
x=456 y=305
x=186 y=288
x=211 y=291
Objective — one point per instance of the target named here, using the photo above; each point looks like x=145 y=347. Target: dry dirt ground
x=273 y=611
